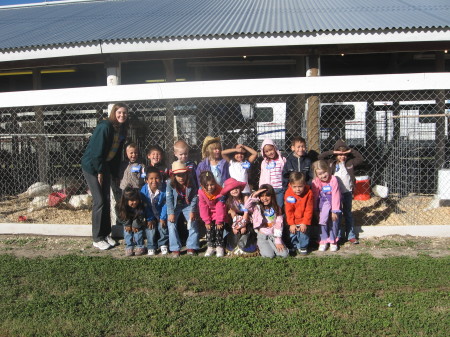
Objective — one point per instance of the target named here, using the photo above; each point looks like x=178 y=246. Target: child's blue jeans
x=346 y=201
x=279 y=195
x=151 y=236
x=300 y=240
x=192 y=241
x=134 y=239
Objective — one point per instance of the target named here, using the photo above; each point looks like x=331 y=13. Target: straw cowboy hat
x=208 y=141
x=230 y=184
x=178 y=167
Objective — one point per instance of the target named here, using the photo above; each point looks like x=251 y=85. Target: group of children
x=275 y=219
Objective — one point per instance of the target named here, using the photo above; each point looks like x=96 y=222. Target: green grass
x=101 y=296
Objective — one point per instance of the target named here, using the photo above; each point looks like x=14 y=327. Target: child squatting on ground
x=342 y=164
x=182 y=198
x=299 y=208
x=327 y=201
x=267 y=221
x=241 y=238
x=154 y=195
x=213 y=213
x=132 y=217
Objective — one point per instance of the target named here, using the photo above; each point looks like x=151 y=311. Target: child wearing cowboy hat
x=239 y=164
x=182 y=198
x=241 y=239
x=212 y=160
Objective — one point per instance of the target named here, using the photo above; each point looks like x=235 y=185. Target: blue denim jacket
x=161 y=205
x=172 y=198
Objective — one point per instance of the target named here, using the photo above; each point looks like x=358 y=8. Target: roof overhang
x=311 y=39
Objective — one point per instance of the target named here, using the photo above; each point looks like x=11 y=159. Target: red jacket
x=301 y=210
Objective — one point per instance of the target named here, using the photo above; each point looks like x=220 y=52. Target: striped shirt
x=276 y=173
x=114 y=147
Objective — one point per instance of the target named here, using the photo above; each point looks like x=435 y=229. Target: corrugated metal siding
x=52 y=24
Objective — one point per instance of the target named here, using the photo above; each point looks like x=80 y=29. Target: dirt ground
x=410 y=210
x=47 y=247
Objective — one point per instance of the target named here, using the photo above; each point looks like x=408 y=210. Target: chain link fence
x=403 y=137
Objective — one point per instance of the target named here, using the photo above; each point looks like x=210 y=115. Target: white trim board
x=230 y=88
x=225 y=42
x=86 y=230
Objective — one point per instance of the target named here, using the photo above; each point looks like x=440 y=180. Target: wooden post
x=313 y=120
x=295 y=108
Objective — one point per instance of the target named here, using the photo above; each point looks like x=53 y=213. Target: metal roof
x=56 y=23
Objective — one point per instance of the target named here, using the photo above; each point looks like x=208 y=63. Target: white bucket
x=444 y=184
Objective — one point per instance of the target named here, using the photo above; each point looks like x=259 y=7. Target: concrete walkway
x=86 y=230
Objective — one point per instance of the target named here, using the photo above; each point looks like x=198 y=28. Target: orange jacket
x=300 y=211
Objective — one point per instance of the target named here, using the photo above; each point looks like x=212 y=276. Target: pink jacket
x=212 y=210
x=317 y=186
x=260 y=221
x=265 y=173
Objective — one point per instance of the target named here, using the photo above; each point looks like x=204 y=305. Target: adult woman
x=100 y=162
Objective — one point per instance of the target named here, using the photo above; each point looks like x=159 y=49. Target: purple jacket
x=205 y=166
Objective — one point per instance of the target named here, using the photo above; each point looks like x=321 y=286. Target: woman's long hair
x=113 y=119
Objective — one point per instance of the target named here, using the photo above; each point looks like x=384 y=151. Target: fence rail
x=403 y=135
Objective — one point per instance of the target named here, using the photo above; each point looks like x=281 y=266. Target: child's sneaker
x=354 y=241
x=191 y=252
x=323 y=247
x=220 y=252
x=102 y=245
x=333 y=248
x=210 y=251
x=139 y=251
x=111 y=241
x=129 y=252
x=176 y=253
x=164 y=250
x=151 y=252
x=303 y=251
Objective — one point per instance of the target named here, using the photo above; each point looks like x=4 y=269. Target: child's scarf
x=214 y=194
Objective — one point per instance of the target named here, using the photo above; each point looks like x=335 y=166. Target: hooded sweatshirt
x=271 y=170
x=299 y=208
x=354 y=159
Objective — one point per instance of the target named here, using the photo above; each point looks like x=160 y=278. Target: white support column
x=113 y=79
